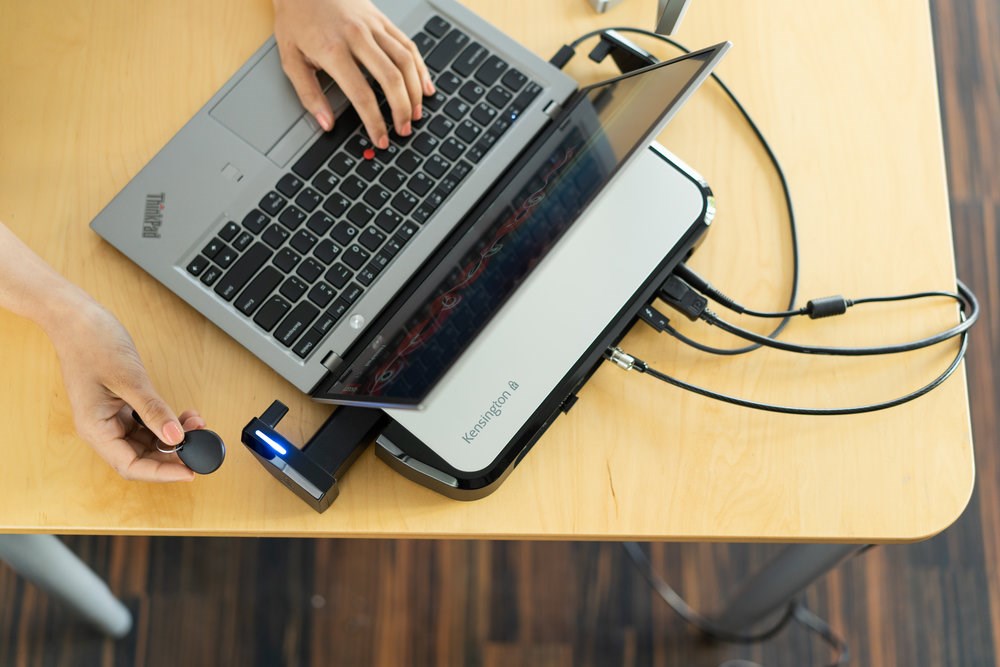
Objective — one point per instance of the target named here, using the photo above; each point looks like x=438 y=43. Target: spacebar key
x=328 y=142
x=240 y=272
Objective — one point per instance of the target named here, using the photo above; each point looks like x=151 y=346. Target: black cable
x=793 y=611
x=793 y=229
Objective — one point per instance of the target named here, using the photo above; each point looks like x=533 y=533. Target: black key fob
x=201 y=450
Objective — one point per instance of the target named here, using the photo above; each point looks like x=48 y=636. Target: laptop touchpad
x=263 y=106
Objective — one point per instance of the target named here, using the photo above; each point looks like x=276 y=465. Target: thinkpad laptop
x=319 y=258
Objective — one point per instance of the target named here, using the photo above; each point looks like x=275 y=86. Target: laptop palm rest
x=509 y=385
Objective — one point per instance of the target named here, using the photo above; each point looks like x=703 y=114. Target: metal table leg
x=770 y=589
x=50 y=565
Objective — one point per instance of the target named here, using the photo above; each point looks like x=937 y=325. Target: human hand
x=337 y=36
x=105 y=380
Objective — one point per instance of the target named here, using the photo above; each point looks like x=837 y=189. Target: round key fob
x=202 y=450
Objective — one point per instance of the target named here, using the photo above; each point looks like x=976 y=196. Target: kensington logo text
x=152 y=218
x=495 y=410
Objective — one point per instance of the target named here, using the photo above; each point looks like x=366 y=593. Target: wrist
x=63 y=307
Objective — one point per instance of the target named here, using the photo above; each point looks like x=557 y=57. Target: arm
x=101 y=369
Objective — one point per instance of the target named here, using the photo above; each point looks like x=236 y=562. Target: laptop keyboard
x=298 y=262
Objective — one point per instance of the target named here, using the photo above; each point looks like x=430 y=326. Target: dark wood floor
x=329 y=602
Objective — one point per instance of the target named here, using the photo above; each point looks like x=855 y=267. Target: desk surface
x=847 y=95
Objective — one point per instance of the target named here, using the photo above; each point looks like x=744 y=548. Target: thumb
x=153 y=412
x=306 y=84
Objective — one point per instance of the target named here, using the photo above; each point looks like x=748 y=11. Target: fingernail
x=173 y=433
x=324 y=121
x=429 y=87
x=407 y=129
x=383 y=142
x=418 y=112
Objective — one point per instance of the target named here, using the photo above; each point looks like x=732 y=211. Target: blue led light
x=275 y=446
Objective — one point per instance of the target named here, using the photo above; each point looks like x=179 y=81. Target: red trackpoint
x=369 y=153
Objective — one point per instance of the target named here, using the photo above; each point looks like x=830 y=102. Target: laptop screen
x=452 y=299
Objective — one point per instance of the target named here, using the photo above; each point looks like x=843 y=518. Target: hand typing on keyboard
x=338 y=37
x=101 y=369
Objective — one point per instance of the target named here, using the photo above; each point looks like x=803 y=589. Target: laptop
x=315 y=256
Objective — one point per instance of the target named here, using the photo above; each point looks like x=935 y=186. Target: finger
x=303 y=78
x=403 y=60
x=187 y=414
x=138 y=392
x=393 y=84
x=342 y=68
x=427 y=85
x=193 y=422
x=127 y=460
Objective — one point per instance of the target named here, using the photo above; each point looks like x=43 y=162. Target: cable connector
x=624 y=360
x=562 y=56
x=683 y=298
x=827 y=306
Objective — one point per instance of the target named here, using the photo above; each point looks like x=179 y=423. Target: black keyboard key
x=324 y=323
x=484 y=114
x=326 y=181
x=468 y=131
x=243 y=241
x=353 y=187
x=404 y=202
x=475 y=153
x=326 y=251
x=344 y=233
x=286 y=260
x=372 y=238
x=436 y=166
x=360 y=214
x=440 y=126
x=322 y=294
x=307 y=343
x=296 y=323
x=377 y=196
x=213 y=248
x=524 y=98
x=380 y=262
x=258 y=290
x=351 y=293
x=513 y=79
x=491 y=71
x=435 y=101
x=336 y=205
x=446 y=50
x=460 y=171
x=472 y=92
x=424 y=43
x=421 y=213
x=293 y=289
x=197 y=265
x=409 y=161
x=225 y=257
x=338 y=275
x=255 y=221
x=470 y=59
x=435 y=198
x=448 y=82
x=320 y=223
x=272 y=203
x=309 y=270
x=407 y=230
x=499 y=126
x=338 y=309
x=292 y=217
x=309 y=199
x=437 y=26
x=274 y=236
x=420 y=184
x=386 y=156
x=392 y=178
x=326 y=144
x=242 y=270
x=289 y=185
x=210 y=275
x=303 y=241
x=229 y=231
x=392 y=246
x=425 y=143
x=456 y=109
x=452 y=148
x=357 y=145
x=271 y=312
x=388 y=220
x=342 y=163
x=369 y=169
x=499 y=97
x=365 y=276
x=354 y=256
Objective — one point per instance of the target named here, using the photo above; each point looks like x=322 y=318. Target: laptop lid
x=466 y=283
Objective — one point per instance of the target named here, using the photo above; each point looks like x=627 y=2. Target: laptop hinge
x=331 y=360
x=552 y=109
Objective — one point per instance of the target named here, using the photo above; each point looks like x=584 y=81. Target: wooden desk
x=847 y=95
